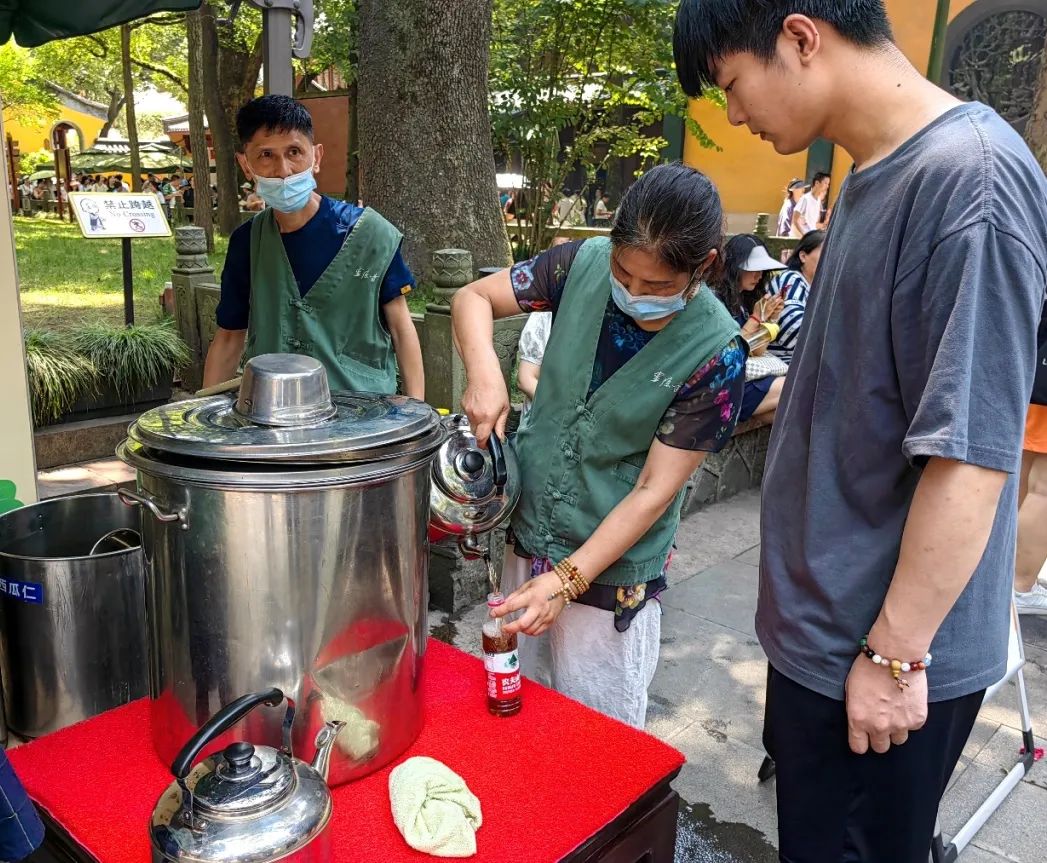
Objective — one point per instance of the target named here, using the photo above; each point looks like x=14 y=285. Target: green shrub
x=58 y=374
x=135 y=358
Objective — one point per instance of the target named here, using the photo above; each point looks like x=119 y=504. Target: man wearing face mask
x=309 y=274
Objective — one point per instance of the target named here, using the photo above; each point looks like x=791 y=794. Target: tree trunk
x=214 y=74
x=202 y=215
x=425 y=131
x=1036 y=128
x=112 y=111
x=129 y=108
x=352 y=160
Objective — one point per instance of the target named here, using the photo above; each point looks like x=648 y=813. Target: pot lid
x=284 y=411
x=243 y=778
x=361 y=426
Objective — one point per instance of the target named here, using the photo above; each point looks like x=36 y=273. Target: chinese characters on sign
x=119 y=215
x=27 y=591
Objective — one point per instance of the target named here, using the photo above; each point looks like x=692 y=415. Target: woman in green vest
x=642 y=377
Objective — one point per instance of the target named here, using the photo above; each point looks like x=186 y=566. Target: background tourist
x=743 y=289
x=808 y=215
x=793 y=192
x=793 y=285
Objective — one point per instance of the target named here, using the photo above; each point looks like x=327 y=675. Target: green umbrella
x=157 y=161
x=34 y=22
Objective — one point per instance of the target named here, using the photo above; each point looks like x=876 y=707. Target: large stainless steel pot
x=72 y=602
x=288 y=553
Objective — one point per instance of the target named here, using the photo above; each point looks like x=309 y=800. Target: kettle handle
x=497 y=450
x=218 y=724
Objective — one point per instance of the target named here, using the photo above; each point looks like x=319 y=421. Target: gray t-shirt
x=919 y=341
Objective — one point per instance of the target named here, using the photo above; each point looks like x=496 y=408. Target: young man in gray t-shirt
x=889 y=505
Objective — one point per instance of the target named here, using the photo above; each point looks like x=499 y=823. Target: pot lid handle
x=221 y=722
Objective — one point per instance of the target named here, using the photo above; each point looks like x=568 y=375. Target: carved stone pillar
x=444 y=372
x=191 y=270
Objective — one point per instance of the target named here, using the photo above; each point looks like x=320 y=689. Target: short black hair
x=821 y=175
x=709 y=30
x=275 y=114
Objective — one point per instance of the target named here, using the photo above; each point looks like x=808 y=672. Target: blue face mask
x=649 y=308
x=288 y=194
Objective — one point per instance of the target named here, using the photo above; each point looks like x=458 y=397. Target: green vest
x=338 y=321
x=579 y=456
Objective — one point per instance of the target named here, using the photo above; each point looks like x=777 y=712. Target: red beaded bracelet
x=897 y=666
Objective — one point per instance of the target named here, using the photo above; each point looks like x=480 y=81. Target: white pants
x=583 y=656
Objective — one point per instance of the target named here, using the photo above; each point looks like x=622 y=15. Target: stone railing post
x=763 y=225
x=444 y=372
x=191 y=270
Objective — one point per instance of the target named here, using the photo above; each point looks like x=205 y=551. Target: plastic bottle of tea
x=502 y=662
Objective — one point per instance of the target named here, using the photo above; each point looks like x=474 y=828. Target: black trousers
x=838 y=807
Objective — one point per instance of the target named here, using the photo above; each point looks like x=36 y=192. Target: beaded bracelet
x=897 y=667
x=574 y=585
x=575 y=576
x=565 y=591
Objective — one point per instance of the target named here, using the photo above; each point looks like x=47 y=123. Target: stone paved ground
x=707 y=700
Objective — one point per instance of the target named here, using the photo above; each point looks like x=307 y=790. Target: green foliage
x=22 y=89
x=58 y=374
x=29 y=163
x=601 y=69
x=132 y=359
x=90 y=65
x=335 y=40
x=64 y=367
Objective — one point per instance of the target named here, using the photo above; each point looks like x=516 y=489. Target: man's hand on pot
x=879 y=714
x=486 y=403
x=539 y=611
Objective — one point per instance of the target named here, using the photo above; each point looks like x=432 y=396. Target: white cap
x=759 y=261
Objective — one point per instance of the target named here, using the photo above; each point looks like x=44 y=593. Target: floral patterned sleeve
x=539 y=282
x=705 y=411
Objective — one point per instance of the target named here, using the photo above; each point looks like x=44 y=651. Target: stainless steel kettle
x=247 y=804
x=473 y=490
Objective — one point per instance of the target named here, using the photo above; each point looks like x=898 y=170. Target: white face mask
x=286 y=194
x=649 y=307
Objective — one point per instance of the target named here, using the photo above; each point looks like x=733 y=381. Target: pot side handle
x=218 y=724
x=131 y=499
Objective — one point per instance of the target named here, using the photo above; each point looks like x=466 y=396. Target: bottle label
x=503 y=674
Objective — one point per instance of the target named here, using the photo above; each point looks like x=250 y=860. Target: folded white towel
x=433 y=809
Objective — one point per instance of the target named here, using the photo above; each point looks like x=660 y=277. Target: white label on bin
x=26 y=591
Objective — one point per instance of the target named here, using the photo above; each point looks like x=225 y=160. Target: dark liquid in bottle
x=502 y=662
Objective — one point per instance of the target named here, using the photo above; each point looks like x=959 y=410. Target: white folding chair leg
x=942 y=853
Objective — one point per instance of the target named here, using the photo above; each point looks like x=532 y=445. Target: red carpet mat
x=548 y=778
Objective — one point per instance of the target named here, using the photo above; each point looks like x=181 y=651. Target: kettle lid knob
x=472 y=461
x=238 y=757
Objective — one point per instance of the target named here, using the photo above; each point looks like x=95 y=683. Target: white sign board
x=103 y=215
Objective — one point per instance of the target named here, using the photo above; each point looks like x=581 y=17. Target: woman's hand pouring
x=539 y=610
x=486 y=403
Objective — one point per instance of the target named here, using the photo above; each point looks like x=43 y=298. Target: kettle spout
x=324 y=746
